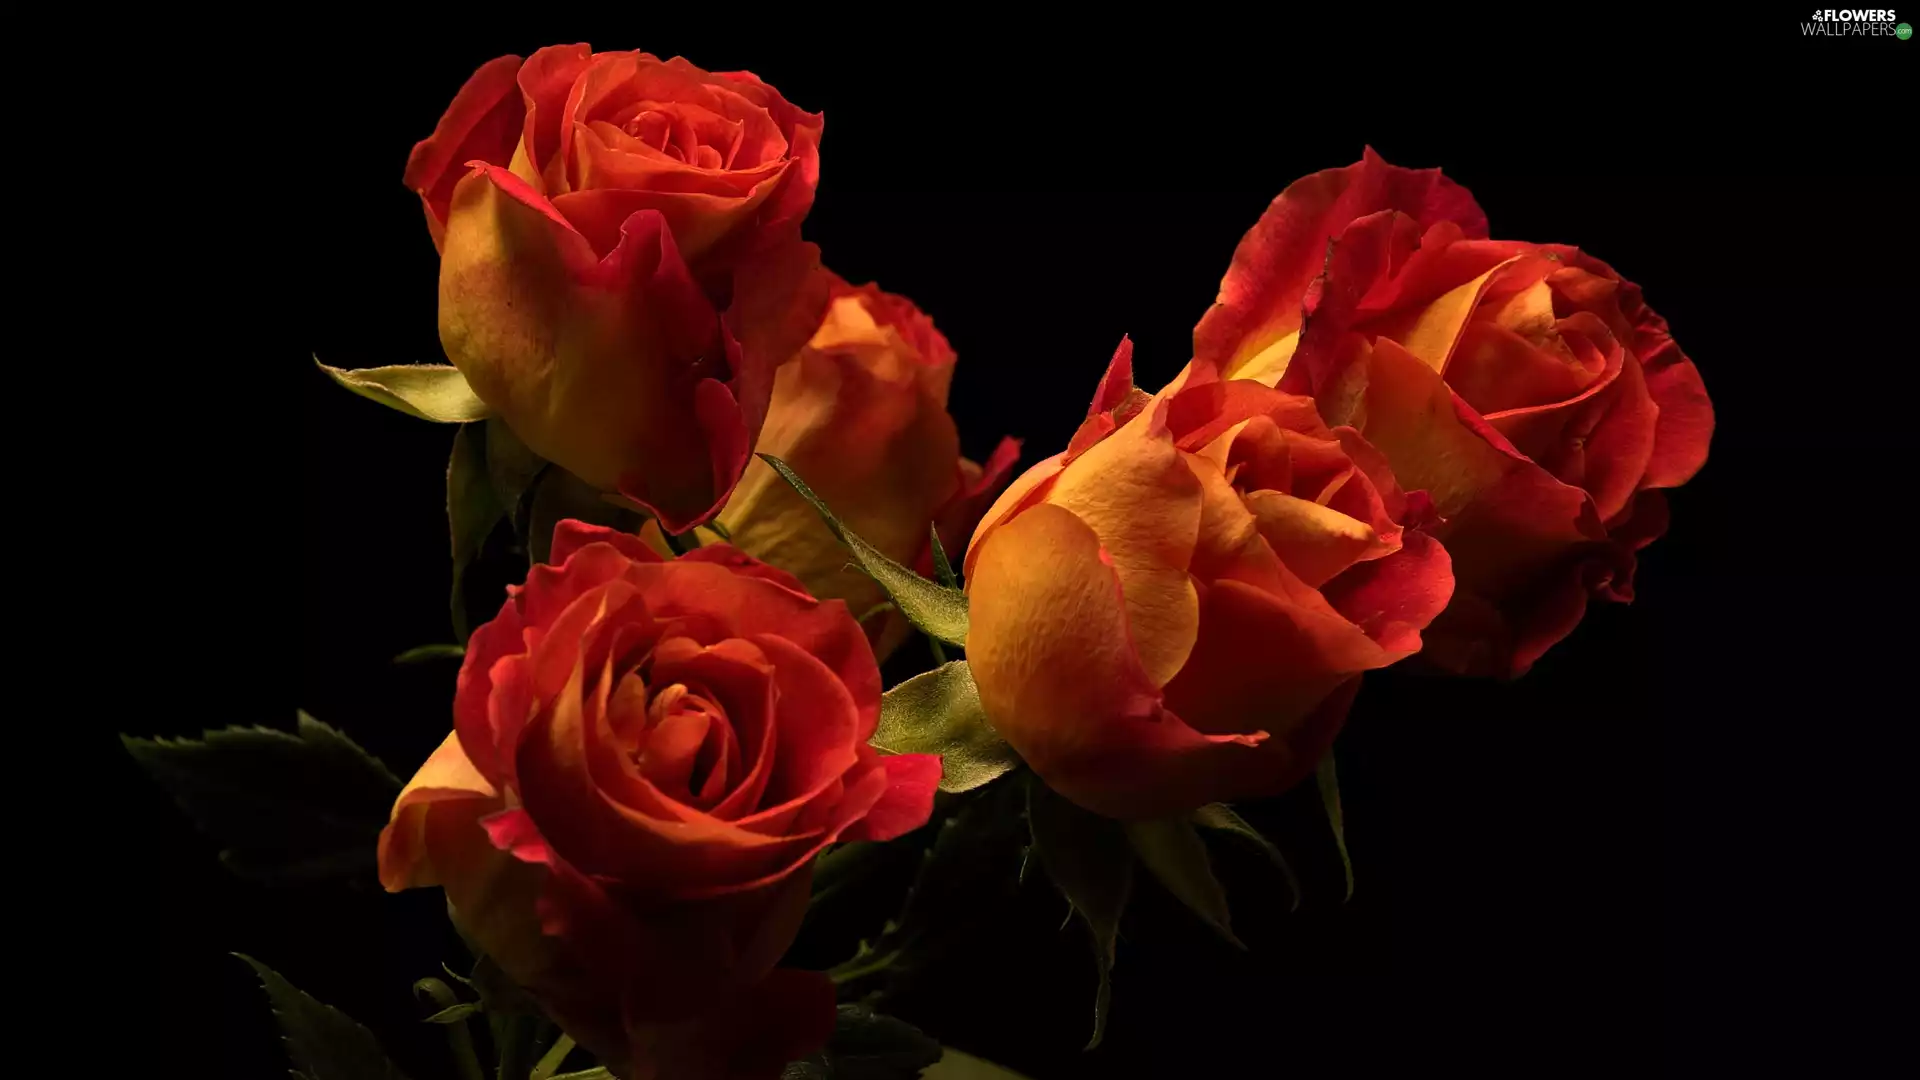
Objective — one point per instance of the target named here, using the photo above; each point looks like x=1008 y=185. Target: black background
x=1655 y=850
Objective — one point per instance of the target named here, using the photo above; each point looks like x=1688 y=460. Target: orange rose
x=861 y=413
x=1175 y=610
x=1526 y=387
x=646 y=756
x=621 y=269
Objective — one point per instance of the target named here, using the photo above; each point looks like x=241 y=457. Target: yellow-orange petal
x=435 y=817
x=1135 y=491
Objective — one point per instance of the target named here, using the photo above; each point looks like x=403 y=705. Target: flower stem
x=551 y=1061
x=459 y=1037
x=861 y=967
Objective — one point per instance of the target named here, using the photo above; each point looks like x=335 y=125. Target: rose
x=621 y=269
x=861 y=413
x=1527 y=387
x=1175 y=610
x=646 y=756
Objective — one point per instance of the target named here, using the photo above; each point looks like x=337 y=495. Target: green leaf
x=598 y=1072
x=1330 y=799
x=420 y=654
x=435 y=392
x=1220 y=818
x=1173 y=850
x=938 y=712
x=1089 y=858
x=285 y=806
x=473 y=509
x=942 y=569
x=868 y=1046
x=512 y=468
x=323 y=1042
x=936 y=610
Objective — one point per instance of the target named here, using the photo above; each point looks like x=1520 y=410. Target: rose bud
x=861 y=413
x=621 y=269
x=1176 y=610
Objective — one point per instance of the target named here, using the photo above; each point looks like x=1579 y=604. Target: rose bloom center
x=681 y=742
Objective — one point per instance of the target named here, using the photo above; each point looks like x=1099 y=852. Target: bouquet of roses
x=732 y=487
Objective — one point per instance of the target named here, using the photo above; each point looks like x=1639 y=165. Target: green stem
x=681 y=543
x=858 y=968
x=459 y=1038
x=550 y=1062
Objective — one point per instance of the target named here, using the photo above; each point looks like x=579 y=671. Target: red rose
x=646 y=756
x=621 y=266
x=1526 y=387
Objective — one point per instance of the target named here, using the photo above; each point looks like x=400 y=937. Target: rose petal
x=483 y=122
x=1050 y=650
x=1261 y=295
x=1143 y=503
x=435 y=817
x=912 y=781
x=599 y=365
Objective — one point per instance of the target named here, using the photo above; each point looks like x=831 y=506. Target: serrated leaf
x=284 y=806
x=1174 y=852
x=420 y=654
x=436 y=392
x=938 y=712
x=935 y=610
x=1329 y=784
x=473 y=509
x=1089 y=858
x=323 y=1043
x=1221 y=818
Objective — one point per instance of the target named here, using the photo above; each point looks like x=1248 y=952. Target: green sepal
x=1220 y=817
x=1089 y=859
x=1172 y=849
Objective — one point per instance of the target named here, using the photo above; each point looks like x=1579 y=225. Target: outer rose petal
x=604 y=366
x=1026 y=490
x=483 y=122
x=1050 y=649
x=912 y=780
x=437 y=814
x=1136 y=493
x=1261 y=295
